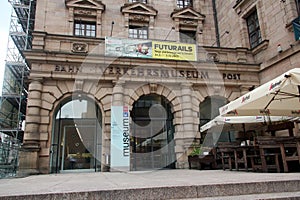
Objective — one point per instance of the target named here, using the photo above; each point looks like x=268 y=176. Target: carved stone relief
x=79 y=47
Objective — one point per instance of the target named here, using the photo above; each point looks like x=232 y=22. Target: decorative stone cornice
x=243 y=5
x=138 y=8
x=85 y=4
x=188 y=18
x=139 y=13
x=187 y=13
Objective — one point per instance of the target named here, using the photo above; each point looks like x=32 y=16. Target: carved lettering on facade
x=67 y=68
x=232 y=76
x=145 y=72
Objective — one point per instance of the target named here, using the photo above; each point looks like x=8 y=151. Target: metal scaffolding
x=15 y=84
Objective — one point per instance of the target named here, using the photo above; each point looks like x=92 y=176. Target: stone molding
x=139 y=13
x=85 y=4
x=243 y=6
x=262 y=46
x=188 y=19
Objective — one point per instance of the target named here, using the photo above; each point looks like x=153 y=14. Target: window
x=209 y=108
x=87 y=29
x=142 y=1
x=188 y=37
x=298 y=6
x=184 y=3
x=138 y=32
x=253 y=30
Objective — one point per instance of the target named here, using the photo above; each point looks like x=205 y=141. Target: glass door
x=77 y=137
x=152 y=134
x=77 y=148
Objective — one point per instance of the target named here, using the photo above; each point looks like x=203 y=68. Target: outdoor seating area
x=268 y=154
x=260 y=130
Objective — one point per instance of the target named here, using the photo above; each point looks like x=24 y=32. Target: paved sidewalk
x=102 y=181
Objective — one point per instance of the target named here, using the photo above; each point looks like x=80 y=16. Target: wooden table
x=288 y=148
x=236 y=154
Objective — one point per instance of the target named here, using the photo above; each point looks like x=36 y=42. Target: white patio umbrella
x=278 y=97
x=219 y=120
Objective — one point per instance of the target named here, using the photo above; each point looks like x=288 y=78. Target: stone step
x=283 y=189
x=265 y=196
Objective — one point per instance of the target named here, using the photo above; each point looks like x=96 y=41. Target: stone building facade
x=74 y=84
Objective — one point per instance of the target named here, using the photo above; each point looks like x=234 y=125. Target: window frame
x=138 y=34
x=184 y=3
x=297 y=2
x=89 y=29
x=187 y=34
x=253 y=27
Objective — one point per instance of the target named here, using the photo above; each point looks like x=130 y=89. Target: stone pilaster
x=118 y=94
x=189 y=128
x=29 y=155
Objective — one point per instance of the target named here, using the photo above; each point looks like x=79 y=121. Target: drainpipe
x=216 y=23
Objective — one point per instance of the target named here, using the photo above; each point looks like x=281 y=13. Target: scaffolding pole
x=13 y=101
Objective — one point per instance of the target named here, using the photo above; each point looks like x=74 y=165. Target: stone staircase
x=255 y=190
x=160 y=184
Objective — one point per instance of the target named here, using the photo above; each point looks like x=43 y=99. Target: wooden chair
x=290 y=151
x=255 y=159
x=269 y=153
x=240 y=157
x=227 y=154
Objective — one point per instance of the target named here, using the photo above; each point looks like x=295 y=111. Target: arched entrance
x=77 y=137
x=209 y=109
x=152 y=134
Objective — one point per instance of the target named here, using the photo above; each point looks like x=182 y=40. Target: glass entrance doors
x=76 y=139
x=152 y=134
x=78 y=147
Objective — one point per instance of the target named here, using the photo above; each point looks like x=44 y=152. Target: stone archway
x=76 y=142
x=152 y=134
x=181 y=98
x=43 y=97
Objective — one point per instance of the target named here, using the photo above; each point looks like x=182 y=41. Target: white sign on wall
x=120 y=138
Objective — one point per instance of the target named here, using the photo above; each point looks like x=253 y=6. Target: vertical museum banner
x=120 y=138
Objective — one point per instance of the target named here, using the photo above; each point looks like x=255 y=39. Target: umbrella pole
x=229 y=137
x=244 y=130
